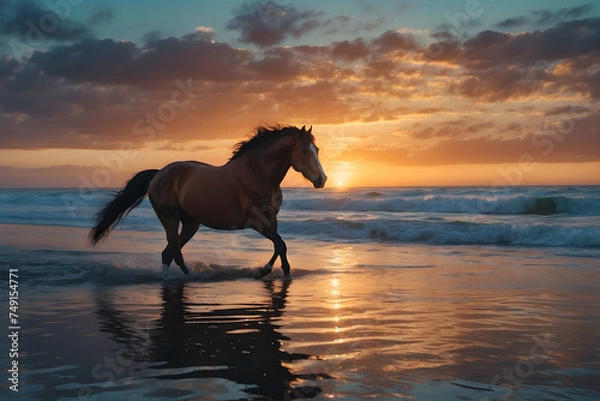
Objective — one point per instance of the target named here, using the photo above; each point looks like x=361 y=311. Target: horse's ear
x=303 y=128
x=310 y=129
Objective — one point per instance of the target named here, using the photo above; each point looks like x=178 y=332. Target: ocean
x=427 y=293
x=527 y=216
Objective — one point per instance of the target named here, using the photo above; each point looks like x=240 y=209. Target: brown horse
x=243 y=193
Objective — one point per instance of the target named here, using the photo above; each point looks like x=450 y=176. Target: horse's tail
x=123 y=202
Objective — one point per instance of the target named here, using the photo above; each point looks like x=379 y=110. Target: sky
x=399 y=93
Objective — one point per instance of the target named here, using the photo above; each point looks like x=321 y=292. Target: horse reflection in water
x=240 y=344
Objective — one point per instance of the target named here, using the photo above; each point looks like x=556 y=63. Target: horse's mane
x=264 y=135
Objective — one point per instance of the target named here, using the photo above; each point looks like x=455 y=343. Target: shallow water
x=359 y=321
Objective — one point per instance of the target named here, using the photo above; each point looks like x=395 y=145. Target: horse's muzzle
x=319 y=182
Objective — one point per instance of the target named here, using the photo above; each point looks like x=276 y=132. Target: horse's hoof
x=260 y=273
x=287 y=277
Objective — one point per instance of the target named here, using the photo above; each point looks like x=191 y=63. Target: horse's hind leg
x=170 y=221
x=188 y=229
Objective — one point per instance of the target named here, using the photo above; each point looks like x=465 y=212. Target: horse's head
x=305 y=158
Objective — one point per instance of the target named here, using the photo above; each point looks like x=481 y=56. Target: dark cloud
x=497 y=65
x=31 y=22
x=30 y=78
x=151 y=37
x=444 y=51
x=7 y=66
x=544 y=17
x=102 y=61
x=267 y=23
x=39 y=96
x=391 y=41
x=197 y=56
x=569 y=110
x=517 y=127
x=101 y=15
x=381 y=69
x=512 y=22
x=277 y=65
x=349 y=51
x=162 y=60
x=594 y=83
x=498 y=83
x=194 y=56
x=478 y=51
x=501 y=65
x=566 y=40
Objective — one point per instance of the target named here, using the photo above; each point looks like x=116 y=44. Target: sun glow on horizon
x=340 y=173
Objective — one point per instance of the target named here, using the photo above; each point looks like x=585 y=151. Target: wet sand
x=359 y=321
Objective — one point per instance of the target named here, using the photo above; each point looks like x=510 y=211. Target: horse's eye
x=304 y=151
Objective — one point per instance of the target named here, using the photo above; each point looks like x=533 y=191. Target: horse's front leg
x=280 y=251
x=280 y=248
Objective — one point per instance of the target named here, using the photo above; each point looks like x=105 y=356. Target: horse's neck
x=268 y=166
x=276 y=161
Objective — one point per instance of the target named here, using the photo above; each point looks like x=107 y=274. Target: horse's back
x=205 y=192
x=166 y=187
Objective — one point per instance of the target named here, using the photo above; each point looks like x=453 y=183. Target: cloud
x=499 y=65
x=7 y=66
x=495 y=65
x=566 y=40
x=277 y=65
x=163 y=60
x=462 y=127
x=101 y=61
x=202 y=32
x=28 y=20
x=514 y=22
x=391 y=41
x=544 y=17
x=101 y=15
x=570 y=110
x=346 y=50
x=557 y=143
x=29 y=78
x=197 y=56
x=498 y=84
x=267 y=23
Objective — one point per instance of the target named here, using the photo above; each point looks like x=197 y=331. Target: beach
x=388 y=300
